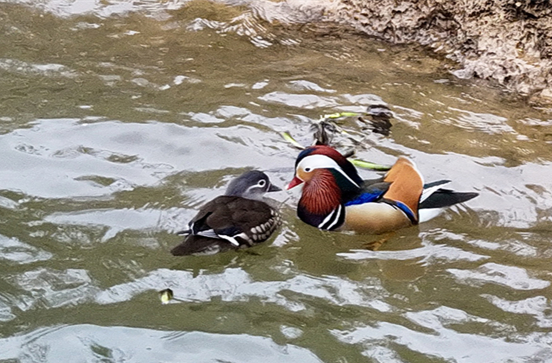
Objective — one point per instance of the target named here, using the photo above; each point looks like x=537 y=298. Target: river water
x=119 y=119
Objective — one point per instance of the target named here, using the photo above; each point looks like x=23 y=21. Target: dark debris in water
x=377 y=119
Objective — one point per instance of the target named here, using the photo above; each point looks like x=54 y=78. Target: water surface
x=118 y=120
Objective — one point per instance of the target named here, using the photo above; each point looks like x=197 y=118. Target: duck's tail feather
x=200 y=245
x=444 y=198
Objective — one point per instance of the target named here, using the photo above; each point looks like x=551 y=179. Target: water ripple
x=427 y=254
x=122 y=344
x=17 y=252
x=52 y=288
x=35 y=69
x=539 y=307
x=461 y=347
x=509 y=276
x=236 y=285
x=115 y=220
x=66 y=153
x=304 y=101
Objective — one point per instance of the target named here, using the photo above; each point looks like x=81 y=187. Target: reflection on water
x=119 y=344
x=119 y=119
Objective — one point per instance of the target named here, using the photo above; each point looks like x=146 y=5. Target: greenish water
x=118 y=120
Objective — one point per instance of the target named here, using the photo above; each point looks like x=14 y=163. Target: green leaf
x=341 y=114
x=368 y=165
x=291 y=140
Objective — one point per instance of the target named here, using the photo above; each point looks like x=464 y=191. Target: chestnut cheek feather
x=322 y=194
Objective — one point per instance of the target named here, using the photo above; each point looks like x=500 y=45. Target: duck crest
x=335 y=155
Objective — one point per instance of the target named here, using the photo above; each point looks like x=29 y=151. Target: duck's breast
x=374 y=218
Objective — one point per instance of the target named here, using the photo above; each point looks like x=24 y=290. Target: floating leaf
x=341 y=114
x=286 y=135
x=368 y=165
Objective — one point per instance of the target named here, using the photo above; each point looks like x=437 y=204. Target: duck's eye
x=307 y=169
x=262 y=183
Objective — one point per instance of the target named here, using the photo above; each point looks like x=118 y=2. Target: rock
x=505 y=41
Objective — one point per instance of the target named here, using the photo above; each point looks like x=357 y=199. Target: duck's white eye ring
x=307 y=169
x=262 y=183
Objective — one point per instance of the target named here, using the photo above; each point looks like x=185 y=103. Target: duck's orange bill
x=295 y=182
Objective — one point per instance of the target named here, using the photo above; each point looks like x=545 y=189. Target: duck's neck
x=321 y=195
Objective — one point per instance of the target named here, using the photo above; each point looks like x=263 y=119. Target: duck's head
x=251 y=185
x=321 y=160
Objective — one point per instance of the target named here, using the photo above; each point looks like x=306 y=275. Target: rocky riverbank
x=505 y=41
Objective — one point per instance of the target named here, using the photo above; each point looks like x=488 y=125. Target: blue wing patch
x=365 y=198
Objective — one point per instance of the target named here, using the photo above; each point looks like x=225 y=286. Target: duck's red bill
x=295 y=182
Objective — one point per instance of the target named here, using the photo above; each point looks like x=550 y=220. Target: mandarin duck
x=334 y=197
x=239 y=218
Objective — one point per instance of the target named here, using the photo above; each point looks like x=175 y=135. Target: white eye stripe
x=322 y=162
x=252 y=187
x=260 y=185
x=317 y=162
x=256 y=186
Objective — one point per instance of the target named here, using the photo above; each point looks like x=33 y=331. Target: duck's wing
x=403 y=185
x=406 y=184
x=204 y=223
x=254 y=220
x=370 y=191
x=230 y=222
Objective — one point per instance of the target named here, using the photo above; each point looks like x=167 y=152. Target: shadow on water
x=118 y=120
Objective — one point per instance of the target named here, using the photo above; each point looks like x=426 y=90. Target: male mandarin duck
x=334 y=197
x=239 y=218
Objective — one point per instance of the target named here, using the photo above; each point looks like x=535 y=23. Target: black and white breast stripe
x=334 y=219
